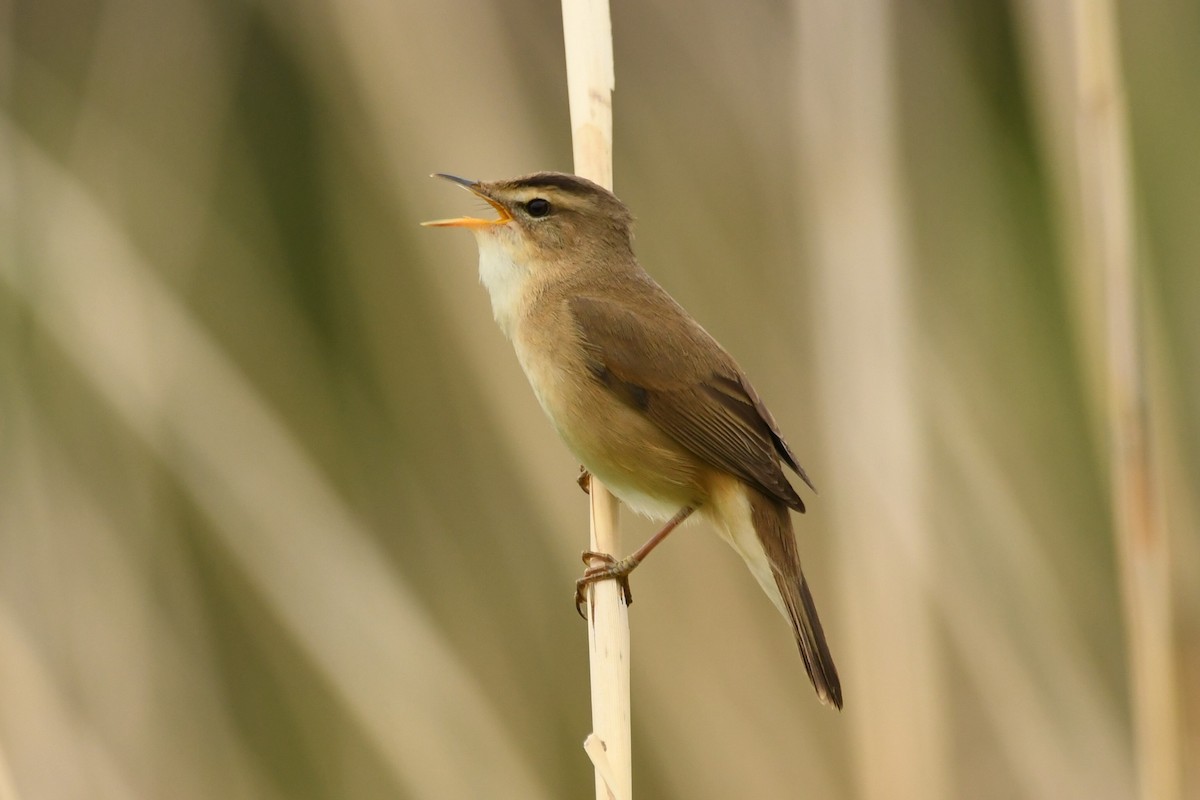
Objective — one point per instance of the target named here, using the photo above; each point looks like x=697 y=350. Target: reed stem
x=587 y=32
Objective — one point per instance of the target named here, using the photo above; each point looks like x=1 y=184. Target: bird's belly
x=646 y=469
x=650 y=479
x=655 y=502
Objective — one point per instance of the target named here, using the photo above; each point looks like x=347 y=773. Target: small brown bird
x=643 y=396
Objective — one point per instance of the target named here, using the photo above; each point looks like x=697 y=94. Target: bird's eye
x=538 y=207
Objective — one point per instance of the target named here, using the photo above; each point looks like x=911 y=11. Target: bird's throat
x=506 y=277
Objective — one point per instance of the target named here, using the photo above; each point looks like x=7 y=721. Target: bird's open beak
x=469 y=222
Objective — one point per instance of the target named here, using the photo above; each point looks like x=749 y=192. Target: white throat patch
x=503 y=278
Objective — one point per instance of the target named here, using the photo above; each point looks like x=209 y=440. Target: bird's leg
x=610 y=568
x=584 y=480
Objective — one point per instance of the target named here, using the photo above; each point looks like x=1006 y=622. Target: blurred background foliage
x=279 y=516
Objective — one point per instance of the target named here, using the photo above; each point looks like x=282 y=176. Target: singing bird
x=643 y=396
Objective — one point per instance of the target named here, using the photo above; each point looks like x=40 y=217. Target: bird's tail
x=760 y=529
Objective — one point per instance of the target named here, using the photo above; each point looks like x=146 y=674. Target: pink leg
x=611 y=569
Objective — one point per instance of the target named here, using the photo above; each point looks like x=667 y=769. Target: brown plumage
x=647 y=400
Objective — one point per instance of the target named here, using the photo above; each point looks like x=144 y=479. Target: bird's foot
x=585 y=481
x=609 y=568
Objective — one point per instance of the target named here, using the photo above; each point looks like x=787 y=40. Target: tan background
x=280 y=518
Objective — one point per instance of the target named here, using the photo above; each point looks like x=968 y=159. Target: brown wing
x=682 y=380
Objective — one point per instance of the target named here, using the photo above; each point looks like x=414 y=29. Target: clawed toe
x=588 y=556
x=609 y=569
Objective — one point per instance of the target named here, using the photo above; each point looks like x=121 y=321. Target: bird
x=640 y=393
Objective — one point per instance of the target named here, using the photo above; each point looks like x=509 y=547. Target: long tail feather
x=774 y=528
x=760 y=529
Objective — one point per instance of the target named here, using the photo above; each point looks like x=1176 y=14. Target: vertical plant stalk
x=852 y=196
x=1108 y=251
x=587 y=33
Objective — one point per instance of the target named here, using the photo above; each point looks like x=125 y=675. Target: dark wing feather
x=704 y=403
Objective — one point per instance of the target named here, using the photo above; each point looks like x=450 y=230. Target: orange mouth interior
x=473 y=222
